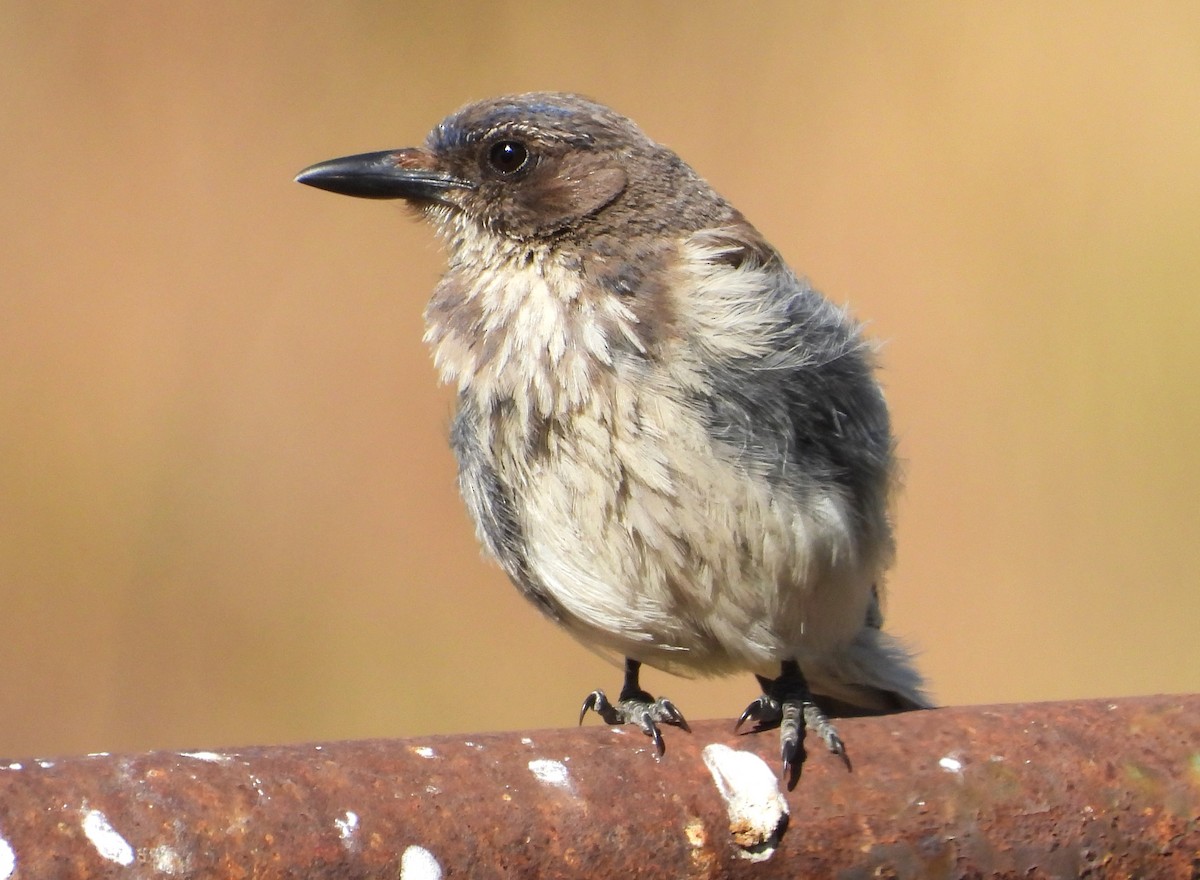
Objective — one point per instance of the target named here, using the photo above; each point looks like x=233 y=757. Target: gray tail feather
x=874 y=675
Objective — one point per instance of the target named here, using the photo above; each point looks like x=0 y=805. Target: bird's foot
x=788 y=704
x=639 y=708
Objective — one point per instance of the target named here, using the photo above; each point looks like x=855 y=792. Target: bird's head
x=532 y=168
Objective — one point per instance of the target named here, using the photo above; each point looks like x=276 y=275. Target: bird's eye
x=508 y=157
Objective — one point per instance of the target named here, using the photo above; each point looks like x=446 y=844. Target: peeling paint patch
x=8 y=860
x=166 y=860
x=551 y=772
x=105 y=838
x=758 y=811
x=694 y=830
x=210 y=757
x=347 y=825
x=418 y=863
x=951 y=764
x=701 y=855
x=423 y=751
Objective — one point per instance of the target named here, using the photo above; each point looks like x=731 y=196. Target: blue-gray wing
x=490 y=503
x=809 y=414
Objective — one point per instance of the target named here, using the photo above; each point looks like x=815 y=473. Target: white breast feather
x=650 y=536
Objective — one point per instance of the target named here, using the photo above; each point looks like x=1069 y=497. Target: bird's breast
x=526 y=331
x=656 y=541
x=651 y=535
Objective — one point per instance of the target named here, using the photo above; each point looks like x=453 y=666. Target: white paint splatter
x=165 y=859
x=526 y=741
x=473 y=745
x=951 y=764
x=418 y=863
x=757 y=808
x=347 y=826
x=45 y=765
x=8 y=860
x=210 y=757
x=97 y=754
x=551 y=772
x=105 y=838
x=15 y=765
x=423 y=751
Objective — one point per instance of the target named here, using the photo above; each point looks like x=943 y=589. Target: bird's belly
x=657 y=544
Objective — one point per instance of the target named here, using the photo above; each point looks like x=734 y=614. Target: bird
x=673 y=445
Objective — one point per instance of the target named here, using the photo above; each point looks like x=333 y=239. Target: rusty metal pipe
x=1095 y=788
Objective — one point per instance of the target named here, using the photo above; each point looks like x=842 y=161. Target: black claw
x=816 y=721
x=751 y=711
x=597 y=702
x=648 y=715
x=792 y=752
x=673 y=715
x=845 y=760
x=839 y=748
x=764 y=711
x=651 y=730
x=589 y=702
x=635 y=706
x=788 y=752
x=787 y=702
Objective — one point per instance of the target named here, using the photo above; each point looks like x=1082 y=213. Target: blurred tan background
x=227 y=512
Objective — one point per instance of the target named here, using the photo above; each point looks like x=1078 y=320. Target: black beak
x=391 y=174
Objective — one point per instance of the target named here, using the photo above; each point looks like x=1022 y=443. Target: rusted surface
x=1097 y=788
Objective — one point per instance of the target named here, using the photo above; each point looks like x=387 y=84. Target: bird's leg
x=787 y=702
x=636 y=706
